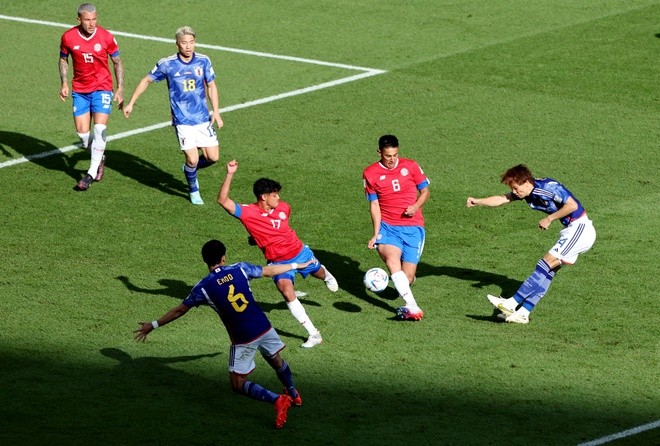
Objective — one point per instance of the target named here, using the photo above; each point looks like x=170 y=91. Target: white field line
x=365 y=72
x=627 y=433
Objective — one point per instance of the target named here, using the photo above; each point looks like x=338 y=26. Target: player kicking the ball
x=396 y=189
x=578 y=236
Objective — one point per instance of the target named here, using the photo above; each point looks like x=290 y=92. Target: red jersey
x=270 y=230
x=90 y=58
x=396 y=189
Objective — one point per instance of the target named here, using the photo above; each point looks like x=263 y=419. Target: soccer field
x=306 y=88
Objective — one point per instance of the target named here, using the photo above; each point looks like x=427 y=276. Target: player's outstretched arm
x=223 y=196
x=274 y=270
x=493 y=201
x=141 y=88
x=147 y=327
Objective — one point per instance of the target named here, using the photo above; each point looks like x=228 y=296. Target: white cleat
x=500 y=304
x=518 y=318
x=313 y=340
x=196 y=198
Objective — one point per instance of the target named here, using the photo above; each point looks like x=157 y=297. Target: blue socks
x=534 y=288
x=191 y=177
x=255 y=391
x=203 y=162
x=286 y=378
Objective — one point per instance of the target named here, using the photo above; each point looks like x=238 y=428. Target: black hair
x=213 y=251
x=387 y=142
x=265 y=186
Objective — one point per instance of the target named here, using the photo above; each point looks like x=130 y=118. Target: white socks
x=84 y=139
x=296 y=308
x=98 y=147
x=402 y=285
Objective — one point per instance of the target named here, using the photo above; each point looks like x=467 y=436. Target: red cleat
x=297 y=401
x=282 y=405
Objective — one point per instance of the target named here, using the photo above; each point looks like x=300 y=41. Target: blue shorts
x=304 y=255
x=96 y=101
x=409 y=239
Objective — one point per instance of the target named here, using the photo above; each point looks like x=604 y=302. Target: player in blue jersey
x=190 y=79
x=554 y=199
x=226 y=289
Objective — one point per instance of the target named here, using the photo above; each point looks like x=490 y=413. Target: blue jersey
x=549 y=196
x=186 y=83
x=227 y=290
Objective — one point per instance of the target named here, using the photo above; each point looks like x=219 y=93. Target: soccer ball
x=376 y=280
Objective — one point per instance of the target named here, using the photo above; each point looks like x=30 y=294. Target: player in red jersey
x=267 y=222
x=396 y=189
x=90 y=46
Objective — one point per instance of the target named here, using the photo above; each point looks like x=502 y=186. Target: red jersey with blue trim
x=90 y=58
x=270 y=230
x=396 y=189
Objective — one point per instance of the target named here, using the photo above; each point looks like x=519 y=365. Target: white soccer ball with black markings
x=376 y=280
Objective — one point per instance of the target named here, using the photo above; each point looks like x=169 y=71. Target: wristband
x=154 y=324
x=294 y=266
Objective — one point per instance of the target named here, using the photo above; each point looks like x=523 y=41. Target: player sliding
x=578 y=236
x=267 y=222
x=226 y=289
x=396 y=189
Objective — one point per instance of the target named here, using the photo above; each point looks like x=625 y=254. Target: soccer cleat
x=196 y=198
x=518 y=318
x=499 y=303
x=331 y=282
x=99 y=172
x=410 y=314
x=313 y=340
x=297 y=401
x=84 y=184
x=282 y=404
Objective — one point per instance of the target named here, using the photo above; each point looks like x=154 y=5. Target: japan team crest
x=198 y=71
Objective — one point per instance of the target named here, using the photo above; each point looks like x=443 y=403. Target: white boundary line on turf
x=627 y=433
x=366 y=72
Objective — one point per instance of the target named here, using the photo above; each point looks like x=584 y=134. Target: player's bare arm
x=569 y=207
x=141 y=88
x=493 y=201
x=274 y=270
x=147 y=327
x=64 y=77
x=119 y=76
x=376 y=216
x=212 y=93
x=223 y=196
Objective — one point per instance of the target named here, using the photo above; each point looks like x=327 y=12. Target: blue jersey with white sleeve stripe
x=227 y=290
x=550 y=195
x=186 y=82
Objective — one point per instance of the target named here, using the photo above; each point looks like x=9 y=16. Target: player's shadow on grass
x=42 y=153
x=169 y=287
x=75 y=163
x=349 y=274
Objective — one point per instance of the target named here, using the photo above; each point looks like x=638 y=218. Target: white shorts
x=241 y=356
x=578 y=237
x=194 y=136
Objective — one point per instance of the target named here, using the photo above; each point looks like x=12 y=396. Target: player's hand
x=307 y=263
x=142 y=332
x=545 y=223
x=372 y=242
x=119 y=97
x=218 y=120
x=64 y=92
x=232 y=166
x=127 y=109
x=471 y=202
x=410 y=210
